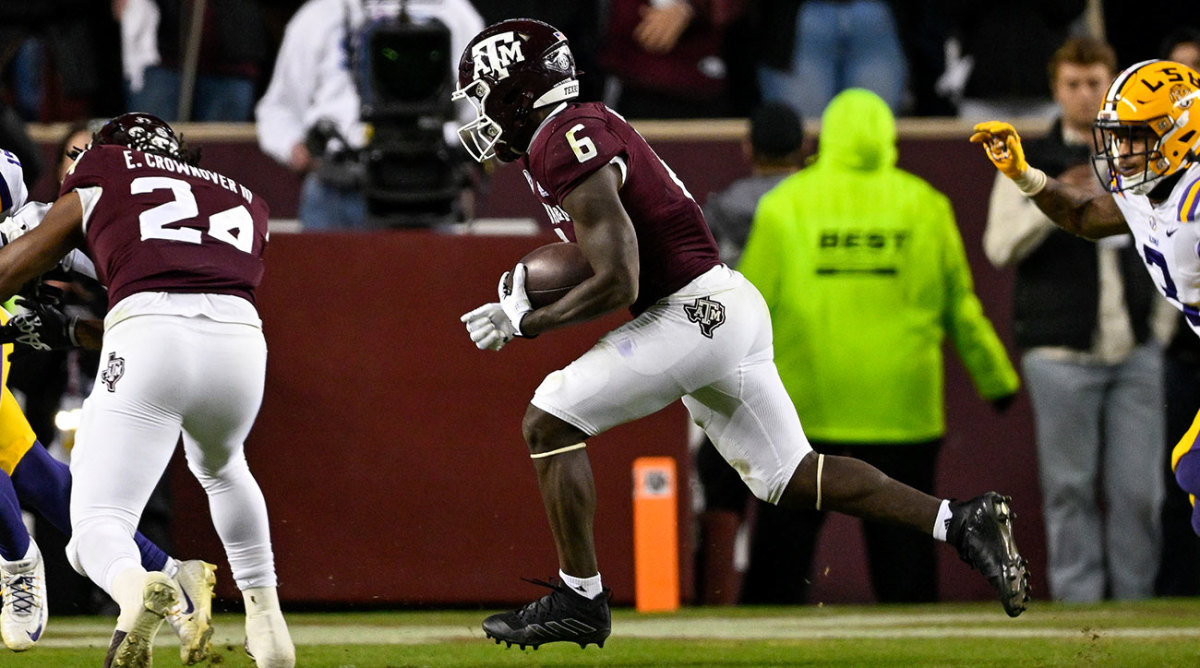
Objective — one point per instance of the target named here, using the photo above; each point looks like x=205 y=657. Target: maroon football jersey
x=674 y=243
x=163 y=226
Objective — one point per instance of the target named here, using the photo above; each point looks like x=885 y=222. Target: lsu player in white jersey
x=1147 y=136
x=30 y=477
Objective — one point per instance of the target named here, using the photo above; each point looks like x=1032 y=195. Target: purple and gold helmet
x=1152 y=105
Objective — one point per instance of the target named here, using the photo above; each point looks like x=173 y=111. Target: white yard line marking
x=849 y=627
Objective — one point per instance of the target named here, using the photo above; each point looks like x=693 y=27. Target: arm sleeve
x=1015 y=226
x=974 y=337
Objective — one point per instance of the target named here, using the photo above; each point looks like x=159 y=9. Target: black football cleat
x=981 y=530
x=561 y=615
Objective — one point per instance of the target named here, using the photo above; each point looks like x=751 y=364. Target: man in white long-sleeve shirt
x=313 y=81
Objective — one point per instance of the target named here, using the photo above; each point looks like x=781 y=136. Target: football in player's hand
x=552 y=270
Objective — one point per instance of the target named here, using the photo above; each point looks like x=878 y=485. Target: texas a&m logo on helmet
x=494 y=54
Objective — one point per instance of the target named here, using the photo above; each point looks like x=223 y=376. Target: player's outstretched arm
x=1080 y=212
x=1076 y=210
x=39 y=250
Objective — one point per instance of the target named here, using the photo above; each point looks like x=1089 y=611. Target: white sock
x=170 y=568
x=127 y=592
x=589 y=587
x=260 y=600
x=942 y=522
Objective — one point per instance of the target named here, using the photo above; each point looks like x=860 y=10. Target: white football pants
x=161 y=375
x=727 y=379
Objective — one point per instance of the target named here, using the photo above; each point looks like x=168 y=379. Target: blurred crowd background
x=341 y=93
x=68 y=59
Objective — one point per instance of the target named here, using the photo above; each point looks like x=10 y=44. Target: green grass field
x=1155 y=633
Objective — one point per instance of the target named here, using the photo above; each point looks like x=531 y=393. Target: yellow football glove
x=1003 y=146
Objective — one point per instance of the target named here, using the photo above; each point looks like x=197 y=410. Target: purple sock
x=1187 y=472
x=153 y=558
x=14 y=538
x=44 y=484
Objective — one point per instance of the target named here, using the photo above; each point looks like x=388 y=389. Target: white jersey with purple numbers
x=22 y=215
x=1167 y=235
x=12 y=184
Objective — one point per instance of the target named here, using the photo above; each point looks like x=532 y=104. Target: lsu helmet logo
x=494 y=54
x=1182 y=96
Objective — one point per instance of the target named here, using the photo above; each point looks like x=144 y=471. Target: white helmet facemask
x=479 y=136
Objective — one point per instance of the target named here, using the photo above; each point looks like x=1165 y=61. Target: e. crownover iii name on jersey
x=157 y=224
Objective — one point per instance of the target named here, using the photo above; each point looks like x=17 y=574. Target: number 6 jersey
x=674 y=243
x=154 y=224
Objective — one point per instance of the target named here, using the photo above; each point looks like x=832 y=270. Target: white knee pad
x=100 y=550
x=73 y=556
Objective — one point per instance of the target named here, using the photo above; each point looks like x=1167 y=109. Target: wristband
x=1031 y=182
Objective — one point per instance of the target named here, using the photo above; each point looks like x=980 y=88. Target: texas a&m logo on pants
x=706 y=313
x=113 y=372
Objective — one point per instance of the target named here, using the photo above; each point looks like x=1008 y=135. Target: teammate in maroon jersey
x=180 y=250
x=700 y=332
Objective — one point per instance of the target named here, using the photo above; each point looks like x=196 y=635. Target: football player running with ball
x=1147 y=136
x=701 y=332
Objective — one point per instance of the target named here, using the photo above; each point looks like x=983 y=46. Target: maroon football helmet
x=507 y=71
x=146 y=133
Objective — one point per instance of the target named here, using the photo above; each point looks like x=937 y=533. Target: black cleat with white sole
x=981 y=530
x=560 y=616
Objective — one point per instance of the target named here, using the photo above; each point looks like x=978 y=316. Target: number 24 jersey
x=159 y=225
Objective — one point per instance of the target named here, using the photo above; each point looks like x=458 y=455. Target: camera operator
x=310 y=117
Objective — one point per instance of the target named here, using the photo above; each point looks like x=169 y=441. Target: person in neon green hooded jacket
x=863 y=268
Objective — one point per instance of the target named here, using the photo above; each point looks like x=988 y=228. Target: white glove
x=514 y=301
x=22 y=220
x=489 y=327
